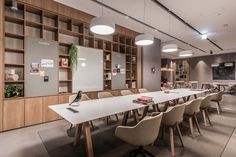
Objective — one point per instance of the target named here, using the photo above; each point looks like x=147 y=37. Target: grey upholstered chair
x=171 y=119
x=217 y=97
x=205 y=104
x=107 y=95
x=140 y=135
x=84 y=97
x=142 y=90
x=126 y=92
x=192 y=108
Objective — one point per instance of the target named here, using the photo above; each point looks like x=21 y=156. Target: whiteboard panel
x=89 y=74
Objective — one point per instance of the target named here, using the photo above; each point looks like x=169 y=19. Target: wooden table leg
x=136 y=117
x=195 y=96
x=184 y=99
x=125 y=118
x=145 y=111
x=188 y=98
x=78 y=131
x=88 y=140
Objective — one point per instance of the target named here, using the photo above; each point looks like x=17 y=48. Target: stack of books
x=144 y=100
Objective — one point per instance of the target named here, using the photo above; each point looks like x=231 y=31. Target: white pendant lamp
x=170 y=48
x=187 y=53
x=102 y=26
x=144 y=39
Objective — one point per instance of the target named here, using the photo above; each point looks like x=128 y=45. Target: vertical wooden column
x=1 y=59
x=139 y=67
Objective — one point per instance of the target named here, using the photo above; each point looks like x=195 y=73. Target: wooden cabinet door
x=13 y=114
x=33 y=111
x=1 y=115
x=63 y=99
x=48 y=114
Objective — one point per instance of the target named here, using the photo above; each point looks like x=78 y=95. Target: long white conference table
x=99 y=108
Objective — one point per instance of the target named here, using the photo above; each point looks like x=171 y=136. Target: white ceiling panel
x=216 y=17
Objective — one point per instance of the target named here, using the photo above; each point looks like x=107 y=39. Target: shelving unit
x=181 y=70
x=30 y=21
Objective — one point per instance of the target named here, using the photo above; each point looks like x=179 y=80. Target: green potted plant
x=13 y=91
x=73 y=57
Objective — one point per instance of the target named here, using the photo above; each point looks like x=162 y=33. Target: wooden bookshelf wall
x=30 y=21
x=44 y=19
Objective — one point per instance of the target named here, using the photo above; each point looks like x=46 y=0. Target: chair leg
x=204 y=117
x=207 y=115
x=197 y=124
x=172 y=144
x=217 y=107
x=108 y=120
x=180 y=135
x=190 y=119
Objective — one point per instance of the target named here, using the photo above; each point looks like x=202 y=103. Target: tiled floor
x=27 y=142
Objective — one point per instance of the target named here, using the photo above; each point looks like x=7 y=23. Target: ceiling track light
x=186 y=53
x=170 y=48
x=204 y=36
x=102 y=26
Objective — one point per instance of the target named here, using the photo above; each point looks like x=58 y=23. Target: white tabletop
x=98 y=108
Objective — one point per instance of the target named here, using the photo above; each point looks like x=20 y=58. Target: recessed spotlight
x=155 y=30
x=204 y=36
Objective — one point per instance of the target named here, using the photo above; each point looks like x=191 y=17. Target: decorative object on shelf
x=64 y=62
x=13 y=91
x=73 y=57
x=170 y=48
x=11 y=75
x=144 y=39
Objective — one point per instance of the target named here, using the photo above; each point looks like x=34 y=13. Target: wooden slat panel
x=33 y=111
x=48 y=114
x=139 y=67
x=13 y=114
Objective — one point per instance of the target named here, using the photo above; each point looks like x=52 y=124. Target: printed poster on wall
x=47 y=63
x=34 y=68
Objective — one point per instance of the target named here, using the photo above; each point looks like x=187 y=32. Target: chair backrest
x=104 y=95
x=217 y=96
x=193 y=106
x=142 y=90
x=148 y=129
x=84 y=97
x=206 y=101
x=126 y=92
x=173 y=115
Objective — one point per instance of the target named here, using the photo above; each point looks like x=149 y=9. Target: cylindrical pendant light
x=187 y=53
x=144 y=39
x=102 y=26
x=170 y=48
